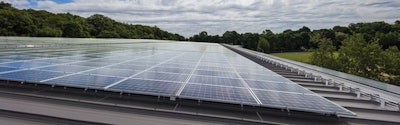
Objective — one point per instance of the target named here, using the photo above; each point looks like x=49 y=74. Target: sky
x=189 y=17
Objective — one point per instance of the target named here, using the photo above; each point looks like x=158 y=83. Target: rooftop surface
x=183 y=75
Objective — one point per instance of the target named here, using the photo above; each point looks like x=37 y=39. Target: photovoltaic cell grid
x=199 y=71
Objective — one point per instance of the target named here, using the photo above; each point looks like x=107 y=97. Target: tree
x=388 y=39
x=75 y=30
x=4 y=5
x=263 y=44
x=391 y=64
x=100 y=23
x=49 y=32
x=324 y=55
x=339 y=37
x=342 y=29
x=360 y=57
x=109 y=34
x=231 y=37
x=250 y=40
x=267 y=32
x=349 y=53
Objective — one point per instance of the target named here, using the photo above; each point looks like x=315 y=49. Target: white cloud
x=18 y=3
x=188 y=17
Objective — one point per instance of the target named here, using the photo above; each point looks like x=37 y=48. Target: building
x=92 y=81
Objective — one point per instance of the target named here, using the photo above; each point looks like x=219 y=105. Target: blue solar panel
x=215 y=73
x=92 y=64
x=255 y=71
x=83 y=80
x=171 y=70
x=285 y=87
x=162 y=76
x=141 y=63
x=202 y=71
x=67 y=68
x=264 y=77
x=5 y=69
x=173 y=65
x=216 y=68
x=129 y=67
x=5 y=60
x=30 y=75
x=20 y=57
x=295 y=101
x=58 y=61
x=147 y=87
x=25 y=64
x=222 y=65
x=216 y=81
x=113 y=72
x=218 y=93
x=107 y=60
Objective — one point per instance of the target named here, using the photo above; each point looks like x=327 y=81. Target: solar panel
x=147 y=87
x=171 y=70
x=5 y=60
x=284 y=87
x=215 y=68
x=162 y=76
x=30 y=75
x=66 y=68
x=218 y=93
x=297 y=101
x=54 y=60
x=177 y=69
x=5 y=69
x=84 y=80
x=129 y=67
x=215 y=73
x=113 y=72
x=91 y=64
x=25 y=64
x=273 y=78
x=216 y=81
x=174 y=65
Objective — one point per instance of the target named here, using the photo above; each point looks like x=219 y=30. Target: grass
x=297 y=56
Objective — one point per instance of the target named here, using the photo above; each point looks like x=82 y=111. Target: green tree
x=75 y=30
x=263 y=44
x=350 y=52
x=231 y=37
x=391 y=65
x=49 y=32
x=360 y=57
x=250 y=40
x=108 y=34
x=324 y=54
x=100 y=23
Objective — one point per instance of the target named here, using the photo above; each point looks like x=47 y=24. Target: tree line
x=40 y=23
x=365 y=49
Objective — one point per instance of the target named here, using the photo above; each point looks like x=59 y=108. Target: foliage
x=324 y=54
x=263 y=44
x=41 y=23
x=365 y=49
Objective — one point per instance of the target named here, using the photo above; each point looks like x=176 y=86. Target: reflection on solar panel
x=200 y=71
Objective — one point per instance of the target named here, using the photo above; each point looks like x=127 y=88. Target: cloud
x=18 y=3
x=189 y=17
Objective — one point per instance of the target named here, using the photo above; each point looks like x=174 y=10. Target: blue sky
x=62 y=1
x=189 y=17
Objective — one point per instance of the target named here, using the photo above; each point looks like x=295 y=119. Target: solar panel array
x=200 y=71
